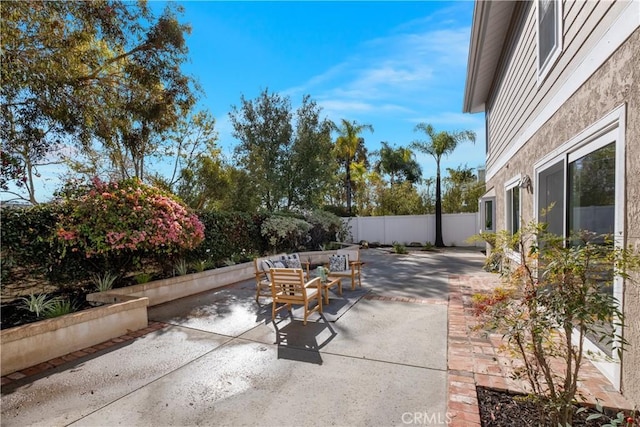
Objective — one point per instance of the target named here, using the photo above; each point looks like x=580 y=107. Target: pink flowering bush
x=128 y=217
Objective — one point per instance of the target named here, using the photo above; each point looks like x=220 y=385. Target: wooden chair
x=352 y=268
x=262 y=266
x=289 y=287
x=263 y=281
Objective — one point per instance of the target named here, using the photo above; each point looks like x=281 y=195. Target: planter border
x=126 y=310
x=27 y=345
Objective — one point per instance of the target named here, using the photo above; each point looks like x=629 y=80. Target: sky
x=388 y=64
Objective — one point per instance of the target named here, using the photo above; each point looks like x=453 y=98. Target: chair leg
x=306 y=313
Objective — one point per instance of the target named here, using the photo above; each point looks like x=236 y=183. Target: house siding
x=614 y=83
x=517 y=96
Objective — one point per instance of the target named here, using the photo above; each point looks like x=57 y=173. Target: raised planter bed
x=126 y=310
x=28 y=345
x=161 y=291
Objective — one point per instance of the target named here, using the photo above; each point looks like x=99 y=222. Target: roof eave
x=489 y=27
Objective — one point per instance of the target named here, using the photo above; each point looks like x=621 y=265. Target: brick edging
x=474 y=359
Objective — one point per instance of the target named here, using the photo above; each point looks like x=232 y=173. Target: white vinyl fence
x=456 y=229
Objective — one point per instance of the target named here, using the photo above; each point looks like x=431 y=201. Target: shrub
x=120 y=220
x=36 y=304
x=285 y=233
x=26 y=240
x=58 y=307
x=428 y=246
x=104 y=282
x=325 y=227
x=143 y=278
x=399 y=248
x=549 y=303
x=181 y=267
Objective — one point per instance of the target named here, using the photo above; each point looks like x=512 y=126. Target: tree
x=347 y=147
x=440 y=144
x=211 y=184
x=263 y=127
x=399 y=199
x=312 y=163
x=290 y=169
x=399 y=163
x=462 y=190
x=193 y=137
x=75 y=71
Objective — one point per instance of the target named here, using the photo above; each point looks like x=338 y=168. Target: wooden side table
x=331 y=281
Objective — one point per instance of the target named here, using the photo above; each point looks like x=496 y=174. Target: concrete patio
x=400 y=350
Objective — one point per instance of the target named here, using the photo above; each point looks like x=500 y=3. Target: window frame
x=545 y=66
x=608 y=129
x=509 y=185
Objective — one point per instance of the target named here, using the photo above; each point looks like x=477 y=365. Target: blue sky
x=388 y=64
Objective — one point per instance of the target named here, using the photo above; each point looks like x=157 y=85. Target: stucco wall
x=615 y=83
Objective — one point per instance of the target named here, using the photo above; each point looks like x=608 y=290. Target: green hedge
x=229 y=235
x=28 y=241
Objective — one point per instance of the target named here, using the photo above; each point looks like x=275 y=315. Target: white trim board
x=620 y=30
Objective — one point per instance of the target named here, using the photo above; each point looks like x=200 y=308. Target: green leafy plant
x=203 y=265
x=285 y=233
x=36 y=304
x=143 y=278
x=399 y=248
x=550 y=301
x=428 y=246
x=181 y=267
x=325 y=227
x=104 y=282
x=58 y=307
x=620 y=419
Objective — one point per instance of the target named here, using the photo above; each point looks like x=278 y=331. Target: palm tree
x=399 y=163
x=348 y=144
x=440 y=144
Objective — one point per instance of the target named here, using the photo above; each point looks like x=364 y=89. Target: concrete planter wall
x=28 y=345
x=161 y=291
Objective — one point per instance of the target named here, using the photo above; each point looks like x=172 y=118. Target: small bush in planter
x=399 y=248
x=551 y=299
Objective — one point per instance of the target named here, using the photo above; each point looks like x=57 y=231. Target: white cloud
x=400 y=73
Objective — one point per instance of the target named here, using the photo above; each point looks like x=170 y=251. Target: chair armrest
x=313 y=282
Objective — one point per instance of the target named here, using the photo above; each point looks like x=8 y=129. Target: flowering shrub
x=112 y=218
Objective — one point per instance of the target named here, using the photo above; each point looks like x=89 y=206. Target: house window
x=592 y=191
x=551 y=198
x=488 y=215
x=549 y=34
x=513 y=208
x=584 y=182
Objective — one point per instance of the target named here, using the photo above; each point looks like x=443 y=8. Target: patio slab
x=385 y=331
x=244 y=383
x=76 y=389
x=224 y=362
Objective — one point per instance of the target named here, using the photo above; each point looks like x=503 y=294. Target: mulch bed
x=15 y=314
x=500 y=408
